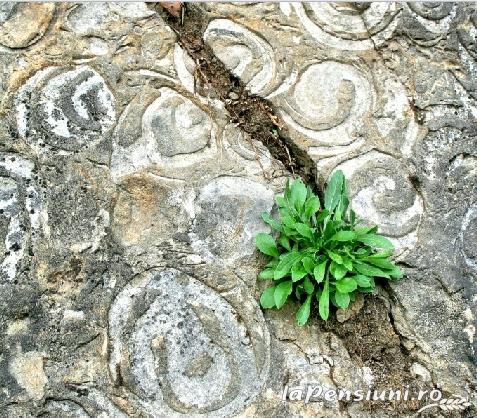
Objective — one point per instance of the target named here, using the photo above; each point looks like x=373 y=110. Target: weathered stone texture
x=129 y=202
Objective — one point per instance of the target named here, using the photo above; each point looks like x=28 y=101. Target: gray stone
x=129 y=201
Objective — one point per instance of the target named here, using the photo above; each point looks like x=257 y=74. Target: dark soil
x=372 y=341
x=252 y=114
x=370 y=337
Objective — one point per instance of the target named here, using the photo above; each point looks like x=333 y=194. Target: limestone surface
x=129 y=202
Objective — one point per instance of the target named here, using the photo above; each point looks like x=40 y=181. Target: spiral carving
x=65 y=109
x=328 y=103
x=431 y=10
x=159 y=127
x=348 y=26
x=182 y=349
x=247 y=55
x=432 y=20
x=382 y=194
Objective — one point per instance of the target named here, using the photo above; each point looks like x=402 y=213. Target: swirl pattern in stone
x=65 y=109
x=160 y=127
x=383 y=195
x=182 y=349
x=348 y=26
x=246 y=54
x=328 y=101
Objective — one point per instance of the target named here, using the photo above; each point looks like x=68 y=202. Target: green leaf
x=371 y=271
x=384 y=254
x=298 y=271
x=284 y=242
x=337 y=270
x=323 y=214
x=282 y=291
x=324 y=303
x=281 y=201
x=396 y=273
x=272 y=222
x=332 y=298
x=376 y=241
x=298 y=194
x=335 y=257
x=329 y=230
x=267 y=299
x=319 y=272
x=352 y=217
x=333 y=190
x=308 y=263
x=303 y=313
x=287 y=192
x=342 y=299
x=348 y=263
x=366 y=230
x=308 y=285
x=266 y=274
x=344 y=201
x=288 y=220
x=364 y=281
x=337 y=215
x=286 y=262
x=266 y=244
x=312 y=206
x=299 y=291
x=272 y=264
x=304 y=230
x=344 y=236
x=346 y=285
x=381 y=263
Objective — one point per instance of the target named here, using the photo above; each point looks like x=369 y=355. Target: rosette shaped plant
x=320 y=254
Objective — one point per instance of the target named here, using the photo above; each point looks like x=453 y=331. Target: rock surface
x=129 y=201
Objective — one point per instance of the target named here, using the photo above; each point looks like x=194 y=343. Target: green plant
x=320 y=254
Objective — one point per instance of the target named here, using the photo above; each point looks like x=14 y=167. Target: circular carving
x=176 y=124
x=346 y=26
x=328 y=102
x=431 y=10
x=65 y=109
x=469 y=236
x=382 y=194
x=21 y=25
x=433 y=18
x=160 y=126
x=243 y=52
x=182 y=349
x=227 y=218
x=20 y=212
x=335 y=109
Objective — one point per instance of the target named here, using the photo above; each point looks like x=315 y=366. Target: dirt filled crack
x=371 y=337
x=253 y=114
